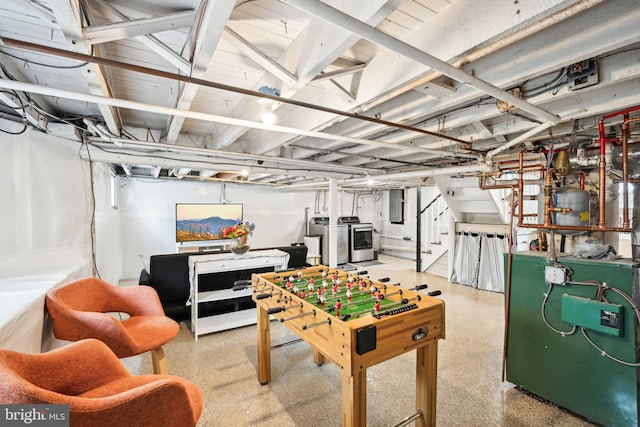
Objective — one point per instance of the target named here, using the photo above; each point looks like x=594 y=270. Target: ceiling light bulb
x=268 y=118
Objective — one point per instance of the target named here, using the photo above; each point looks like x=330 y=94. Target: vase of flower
x=240 y=245
x=239 y=234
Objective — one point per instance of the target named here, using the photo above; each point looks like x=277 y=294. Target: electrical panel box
x=582 y=74
x=555 y=275
x=594 y=315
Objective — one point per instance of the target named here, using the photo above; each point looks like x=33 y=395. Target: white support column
x=333 y=223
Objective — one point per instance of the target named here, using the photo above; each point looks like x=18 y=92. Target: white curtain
x=491 y=269
x=465 y=260
x=478 y=260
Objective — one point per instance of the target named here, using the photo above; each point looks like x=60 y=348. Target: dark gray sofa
x=169 y=276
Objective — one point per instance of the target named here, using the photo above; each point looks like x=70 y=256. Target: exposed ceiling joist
x=315 y=48
x=342 y=20
x=148 y=40
x=67 y=14
x=212 y=18
x=260 y=58
x=97 y=34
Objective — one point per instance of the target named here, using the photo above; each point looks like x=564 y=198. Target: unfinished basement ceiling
x=444 y=84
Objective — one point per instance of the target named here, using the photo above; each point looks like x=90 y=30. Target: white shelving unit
x=217 y=263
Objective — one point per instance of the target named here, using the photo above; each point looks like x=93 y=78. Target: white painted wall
x=45 y=194
x=50 y=196
x=144 y=222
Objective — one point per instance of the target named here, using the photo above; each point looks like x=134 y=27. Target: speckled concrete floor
x=470 y=390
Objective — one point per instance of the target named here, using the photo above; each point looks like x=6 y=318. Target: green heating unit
x=573 y=336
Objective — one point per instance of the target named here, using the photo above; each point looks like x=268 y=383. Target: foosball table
x=354 y=322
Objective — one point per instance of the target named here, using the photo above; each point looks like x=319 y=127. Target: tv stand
x=208 y=246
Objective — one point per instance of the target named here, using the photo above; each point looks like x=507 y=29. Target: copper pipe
x=507 y=292
x=601 y=181
x=582 y=179
x=187 y=79
x=520 y=186
x=547 y=197
x=625 y=171
x=576 y=228
x=602 y=177
x=530 y=168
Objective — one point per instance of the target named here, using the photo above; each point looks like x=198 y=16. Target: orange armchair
x=79 y=310
x=97 y=387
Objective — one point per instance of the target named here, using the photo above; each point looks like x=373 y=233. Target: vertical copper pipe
x=602 y=176
x=520 y=187
x=625 y=171
x=582 y=179
x=507 y=290
x=547 y=197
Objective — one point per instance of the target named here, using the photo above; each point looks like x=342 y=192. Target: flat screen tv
x=199 y=222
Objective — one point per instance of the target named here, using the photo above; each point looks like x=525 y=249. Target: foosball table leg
x=426 y=383
x=319 y=358
x=354 y=398
x=264 y=346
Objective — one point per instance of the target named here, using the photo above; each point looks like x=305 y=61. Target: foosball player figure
x=349 y=295
x=349 y=284
x=319 y=292
x=373 y=290
x=334 y=290
x=379 y=296
x=334 y=277
x=291 y=279
x=325 y=285
x=338 y=283
x=338 y=307
x=295 y=289
x=324 y=274
x=362 y=285
x=323 y=300
x=289 y=283
x=303 y=295
x=299 y=274
x=376 y=306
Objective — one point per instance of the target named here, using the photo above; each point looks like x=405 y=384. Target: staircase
x=461 y=201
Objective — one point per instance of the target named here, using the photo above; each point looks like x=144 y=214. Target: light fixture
x=268 y=117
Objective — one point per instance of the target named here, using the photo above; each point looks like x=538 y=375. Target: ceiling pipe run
x=229 y=156
x=188 y=79
x=123 y=103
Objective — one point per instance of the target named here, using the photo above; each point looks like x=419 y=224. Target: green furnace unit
x=575 y=348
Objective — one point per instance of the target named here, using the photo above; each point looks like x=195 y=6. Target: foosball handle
x=362 y=272
x=434 y=293
x=263 y=296
x=420 y=287
x=240 y=285
x=275 y=310
x=384 y=279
